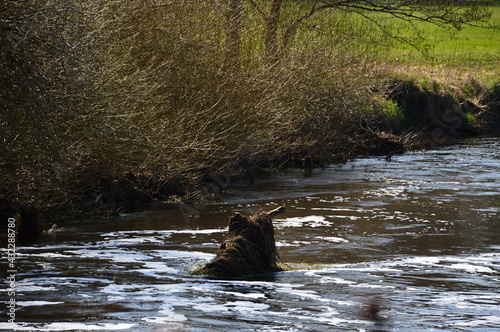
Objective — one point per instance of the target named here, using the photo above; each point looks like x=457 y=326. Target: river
x=407 y=245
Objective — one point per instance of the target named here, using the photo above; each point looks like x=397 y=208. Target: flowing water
x=407 y=245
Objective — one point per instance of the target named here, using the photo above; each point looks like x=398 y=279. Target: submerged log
x=250 y=248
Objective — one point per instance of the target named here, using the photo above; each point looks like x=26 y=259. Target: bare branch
x=258 y=8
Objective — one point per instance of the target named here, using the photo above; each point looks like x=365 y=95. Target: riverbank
x=149 y=105
x=438 y=110
x=417 y=115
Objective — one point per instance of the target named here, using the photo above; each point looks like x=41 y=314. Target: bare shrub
x=108 y=101
x=43 y=96
x=168 y=87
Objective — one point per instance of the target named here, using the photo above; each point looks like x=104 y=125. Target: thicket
x=112 y=103
x=46 y=119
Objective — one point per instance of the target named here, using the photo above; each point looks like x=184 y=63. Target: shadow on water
x=407 y=245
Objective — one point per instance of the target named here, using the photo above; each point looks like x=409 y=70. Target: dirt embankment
x=440 y=112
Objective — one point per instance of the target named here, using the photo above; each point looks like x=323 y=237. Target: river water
x=407 y=245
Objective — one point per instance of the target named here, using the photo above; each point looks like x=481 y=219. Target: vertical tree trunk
x=271 y=38
x=233 y=34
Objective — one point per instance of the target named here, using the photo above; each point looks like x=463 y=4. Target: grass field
x=437 y=53
x=470 y=50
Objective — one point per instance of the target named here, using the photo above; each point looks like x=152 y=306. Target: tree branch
x=259 y=10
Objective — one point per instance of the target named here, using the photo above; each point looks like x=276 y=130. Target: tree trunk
x=271 y=39
x=233 y=34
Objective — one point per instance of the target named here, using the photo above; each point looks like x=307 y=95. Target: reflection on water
x=410 y=245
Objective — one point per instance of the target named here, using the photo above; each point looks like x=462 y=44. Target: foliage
x=391 y=109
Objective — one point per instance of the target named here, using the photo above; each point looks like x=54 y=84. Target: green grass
x=445 y=54
x=471 y=49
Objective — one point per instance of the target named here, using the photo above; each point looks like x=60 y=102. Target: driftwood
x=250 y=248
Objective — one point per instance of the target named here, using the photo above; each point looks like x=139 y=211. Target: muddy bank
x=106 y=195
x=436 y=112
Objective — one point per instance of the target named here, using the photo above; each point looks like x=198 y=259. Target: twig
x=277 y=211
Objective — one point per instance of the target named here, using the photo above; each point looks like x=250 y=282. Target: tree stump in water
x=250 y=248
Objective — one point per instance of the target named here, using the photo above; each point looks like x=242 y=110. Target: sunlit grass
x=447 y=54
x=471 y=50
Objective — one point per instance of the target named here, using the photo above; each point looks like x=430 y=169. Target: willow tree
x=278 y=36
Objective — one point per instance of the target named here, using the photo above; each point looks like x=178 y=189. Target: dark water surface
x=410 y=245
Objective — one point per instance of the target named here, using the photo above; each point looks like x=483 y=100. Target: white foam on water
x=86 y=253
x=211 y=307
x=66 y=326
x=116 y=298
x=159 y=233
x=292 y=243
x=118 y=289
x=246 y=308
x=333 y=239
x=483 y=320
x=134 y=240
x=367 y=268
x=114 y=255
x=173 y=288
x=328 y=280
x=326 y=311
x=44 y=255
x=245 y=295
x=373 y=286
x=180 y=254
x=168 y=316
x=35 y=303
x=342 y=322
x=388 y=191
x=330 y=208
x=157 y=269
x=487 y=263
x=144 y=232
x=311 y=221
x=421 y=260
x=199 y=231
x=303 y=294
x=470 y=300
x=45 y=265
x=322 y=313
x=262 y=284
x=89 y=327
x=472 y=268
x=31 y=286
